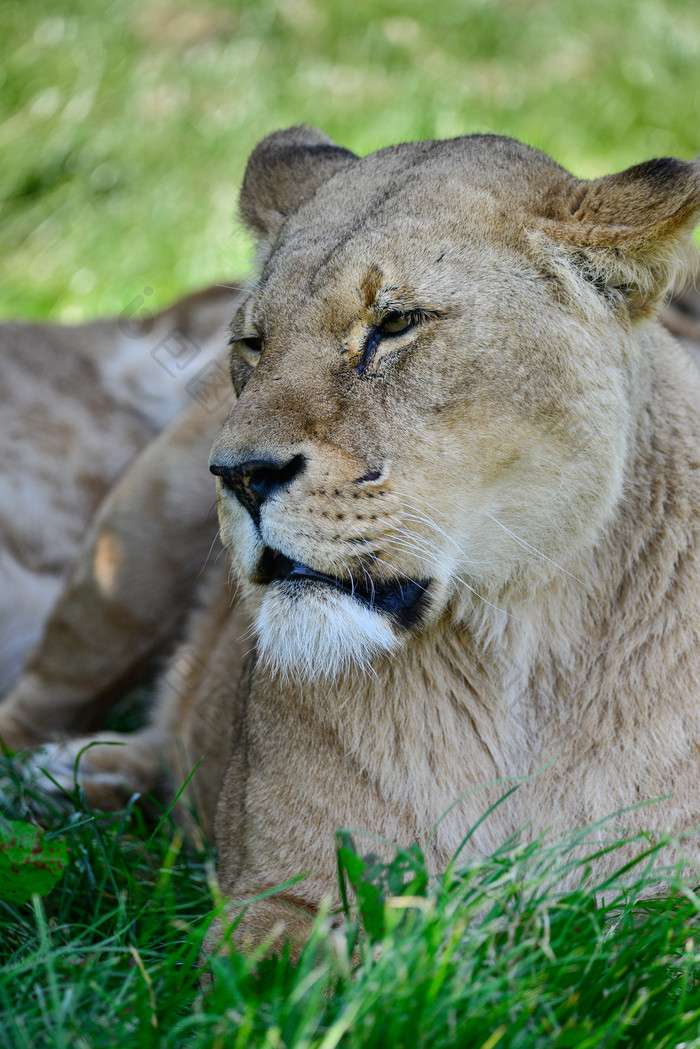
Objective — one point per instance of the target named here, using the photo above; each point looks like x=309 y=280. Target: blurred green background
x=125 y=126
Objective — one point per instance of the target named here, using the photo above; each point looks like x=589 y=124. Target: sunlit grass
x=490 y=954
x=124 y=127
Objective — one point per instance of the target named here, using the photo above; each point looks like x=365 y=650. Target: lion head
x=437 y=371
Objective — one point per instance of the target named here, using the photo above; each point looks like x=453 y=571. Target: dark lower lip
x=404 y=601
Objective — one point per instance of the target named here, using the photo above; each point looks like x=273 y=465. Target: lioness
x=460 y=489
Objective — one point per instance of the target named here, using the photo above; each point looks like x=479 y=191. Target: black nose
x=254 y=481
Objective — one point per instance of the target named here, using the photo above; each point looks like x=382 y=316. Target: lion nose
x=255 y=480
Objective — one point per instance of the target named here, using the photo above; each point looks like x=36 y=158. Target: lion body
x=80 y=402
x=460 y=489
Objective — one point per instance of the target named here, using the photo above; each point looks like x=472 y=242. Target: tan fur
x=527 y=449
x=79 y=403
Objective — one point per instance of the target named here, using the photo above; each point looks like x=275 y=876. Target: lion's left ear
x=284 y=171
x=630 y=234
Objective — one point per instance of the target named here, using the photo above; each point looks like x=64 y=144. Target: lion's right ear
x=631 y=234
x=284 y=171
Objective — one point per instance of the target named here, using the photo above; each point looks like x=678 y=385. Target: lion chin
x=311 y=630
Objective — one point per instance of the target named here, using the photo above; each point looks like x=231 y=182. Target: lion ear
x=284 y=171
x=630 y=234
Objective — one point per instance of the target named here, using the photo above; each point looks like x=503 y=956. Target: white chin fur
x=319 y=633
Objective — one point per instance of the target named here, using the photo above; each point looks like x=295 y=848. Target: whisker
x=528 y=546
x=425 y=545
x=400 y=577
x=458 y=548
x=206 y=559
x=562 y=475
x=423 y=517
x=408 y=497
x=403 y=545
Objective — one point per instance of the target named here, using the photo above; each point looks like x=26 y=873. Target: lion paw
x=109 y=769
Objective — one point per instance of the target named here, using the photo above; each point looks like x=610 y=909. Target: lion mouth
x=403 y=601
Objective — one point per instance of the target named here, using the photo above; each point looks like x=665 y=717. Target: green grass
x=125 y=126
x=490 y=954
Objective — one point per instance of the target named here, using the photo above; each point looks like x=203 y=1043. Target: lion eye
x=245 y=355
x=391 y=324
x=395 y=323
x=250 y=348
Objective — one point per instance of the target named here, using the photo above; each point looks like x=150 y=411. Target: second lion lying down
x=460 y=489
